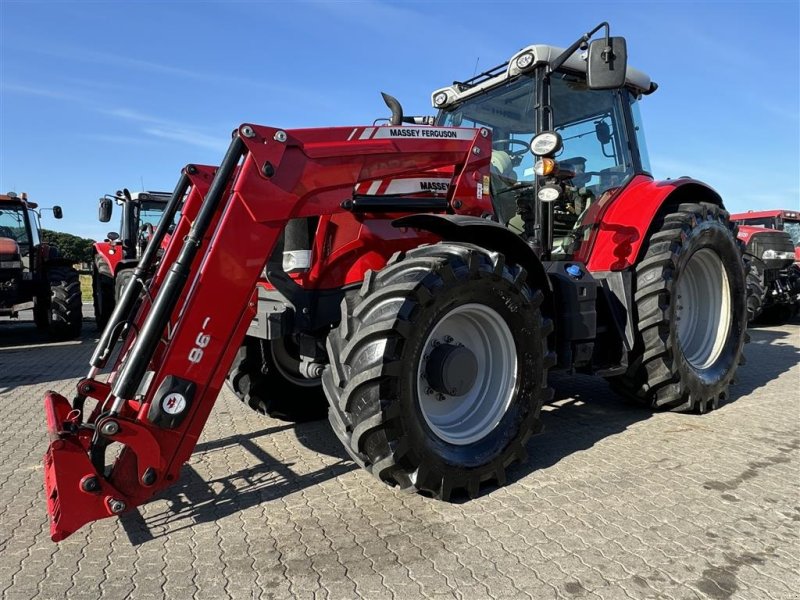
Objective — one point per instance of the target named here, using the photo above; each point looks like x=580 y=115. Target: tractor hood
x=8 y=247
x=772 y=246
x=9 y=254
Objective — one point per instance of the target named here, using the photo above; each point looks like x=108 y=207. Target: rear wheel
x=691 y=311
x=265 y=376
x=439 y=369
x=65 y=318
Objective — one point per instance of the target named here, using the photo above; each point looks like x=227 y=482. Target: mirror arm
x=562 y=58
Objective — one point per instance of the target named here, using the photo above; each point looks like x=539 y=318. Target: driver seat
x=502 y=177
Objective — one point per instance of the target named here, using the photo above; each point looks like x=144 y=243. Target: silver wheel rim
x=703 y=309
x=465 y=419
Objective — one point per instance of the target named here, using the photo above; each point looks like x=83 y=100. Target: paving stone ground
x=615 y=502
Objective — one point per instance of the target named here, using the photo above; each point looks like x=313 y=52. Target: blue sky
x=96 y=96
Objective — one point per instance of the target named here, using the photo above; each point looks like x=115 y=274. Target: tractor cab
x=115 y=258
x=19 y=224
x=141 y=212
x=599 y=146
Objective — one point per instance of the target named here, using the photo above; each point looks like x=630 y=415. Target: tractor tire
x=263 y=377
x=120 y=281
x=690 y=312
x=439 y=370
x=65 y=318
x=756 y=291
x=102 y=295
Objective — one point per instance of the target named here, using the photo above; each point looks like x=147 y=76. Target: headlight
x=440 y=99
x=549 y=193
x=774 y=254
x=546 y=143
x=524 y=61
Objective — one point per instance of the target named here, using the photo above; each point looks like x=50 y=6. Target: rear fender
x=489 y=235
x=109 y=254
x=618 y=230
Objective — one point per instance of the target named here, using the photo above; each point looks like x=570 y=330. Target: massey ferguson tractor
x=33 y=275
x=116 y=256
x=426 y=274
x=772 y=247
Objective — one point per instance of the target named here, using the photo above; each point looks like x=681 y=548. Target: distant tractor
x=33 y=275
x=772 y=239
x=115 y=258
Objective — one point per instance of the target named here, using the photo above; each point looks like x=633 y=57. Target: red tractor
x=33 y=275
x=428 y=273
x=116 y=256
x=772 y=246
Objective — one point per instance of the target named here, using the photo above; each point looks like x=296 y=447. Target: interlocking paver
x=615 y=502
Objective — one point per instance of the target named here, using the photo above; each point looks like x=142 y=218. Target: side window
x=638 y=128
x=593 y=129
x=34 y=221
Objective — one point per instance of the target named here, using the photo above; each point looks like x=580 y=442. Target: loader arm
x=184 y=331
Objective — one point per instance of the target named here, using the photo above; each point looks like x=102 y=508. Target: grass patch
x=86 y=288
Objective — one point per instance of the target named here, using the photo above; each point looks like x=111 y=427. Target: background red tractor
x=428 y=273
x=33 y=274
x=116 y=256
x=772 y=244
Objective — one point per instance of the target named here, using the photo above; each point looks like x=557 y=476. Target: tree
x=71 y=246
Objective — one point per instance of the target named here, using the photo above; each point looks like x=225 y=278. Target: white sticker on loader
x=173 y=403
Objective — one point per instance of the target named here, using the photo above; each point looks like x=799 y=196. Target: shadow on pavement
x=584 y=411
x=770 y=353
x=194 y=500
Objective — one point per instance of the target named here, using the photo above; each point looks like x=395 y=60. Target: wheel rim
x=471 y=416
x=703 y=309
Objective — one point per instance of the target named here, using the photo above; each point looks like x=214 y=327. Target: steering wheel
x=505 y=145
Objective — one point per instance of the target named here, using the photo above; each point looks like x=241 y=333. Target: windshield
x=12 y=226
x=509 y=112
x=793 y=229
x=150 y=213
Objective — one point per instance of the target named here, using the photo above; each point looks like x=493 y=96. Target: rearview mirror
x=112 y=235
x=104 y=211
x=603 y=132
x=607 y=63
x=57 y=212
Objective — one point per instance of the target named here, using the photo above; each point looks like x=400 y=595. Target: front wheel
x=102 y=296
x=691 y=311
x=265 y=376
x=756 y=291
x=439 y=369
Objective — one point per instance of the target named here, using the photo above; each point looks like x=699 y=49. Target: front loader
x=427 y=273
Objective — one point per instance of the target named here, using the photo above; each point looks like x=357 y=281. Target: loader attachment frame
x=182 y=336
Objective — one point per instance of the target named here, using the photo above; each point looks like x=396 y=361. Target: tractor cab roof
x=792 y=215
x=11 y=197
x=539 y=54
x=145 y=197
